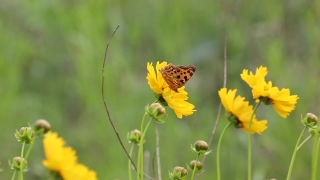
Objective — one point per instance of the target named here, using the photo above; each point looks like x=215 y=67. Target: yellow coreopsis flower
x=175 y=100
x=240 y=111
x=79 y=172
x=58 y=157
x=281 y=100
x=63 y=160
x=251 y=79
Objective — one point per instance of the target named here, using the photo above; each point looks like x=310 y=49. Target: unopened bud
x=42 y=126
x=201 y=147
x=134 y=136
x=157 y=112
x=179 y=173
x=19 y=164
x=25 y=135
x=198 y=165
x=310 y=120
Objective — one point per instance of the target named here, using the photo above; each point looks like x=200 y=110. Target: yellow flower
x=79 y=172
x=175 y=100
x=240 y=111
x=63 y=160
x=252 y=79
x=281 y=100
x=58 y=157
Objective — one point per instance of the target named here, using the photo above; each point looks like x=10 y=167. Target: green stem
x=195 y=167
x=304 y=142
x=315 y=156
x=129 y=162
x=29 y=150
x=14 y=175
x=294 y=154
x=141 y=153
x=139 y=170
x=22 y=161
x=218 y=150
x=249 y=140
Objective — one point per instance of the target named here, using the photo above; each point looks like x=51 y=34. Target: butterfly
x=177 y=76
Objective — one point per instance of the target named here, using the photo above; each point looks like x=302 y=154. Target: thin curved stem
x=105 y=103
x=294 y=155
x=249 y=140
x=218 y=150
x=304 y=142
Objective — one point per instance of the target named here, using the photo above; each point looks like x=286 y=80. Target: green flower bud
x=157 y=112
x=16 y=164
x=201 y=147
x=42 y=126
x=193 y=165
x=310 y=120
x=25 y=135
x=134 y=136
x=179 y=173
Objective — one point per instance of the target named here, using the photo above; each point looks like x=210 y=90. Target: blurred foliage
x=51 y=60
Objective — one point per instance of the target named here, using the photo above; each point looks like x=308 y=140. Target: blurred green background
x=51 y=60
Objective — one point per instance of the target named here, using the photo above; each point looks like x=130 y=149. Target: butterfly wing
x=177 y=76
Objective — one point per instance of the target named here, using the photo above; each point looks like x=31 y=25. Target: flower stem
x=129 y=163
x=296 y=148
x=29 y=150
x=303 y=142
x=22 y=161
x=218 y=151
x=195 y=167
x=315 y=156
x=158 y=152
x=249 y=140
x=140 y=156
x=14 y=175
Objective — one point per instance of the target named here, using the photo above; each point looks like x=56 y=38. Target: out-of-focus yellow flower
x=63 y=160
x=175 y=100
x=281 y=100
x=79 y=172
x=240 y=111
x=58 y=157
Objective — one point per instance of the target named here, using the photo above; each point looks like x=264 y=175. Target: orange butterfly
x=177 y=76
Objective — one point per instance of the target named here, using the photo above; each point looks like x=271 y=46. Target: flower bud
x=134 y=136
x=193 y=165
x=25 y=135
x=157 y=112
x=310 y=120
x=179 y=173
x=42 y=126
x=201 y=147
x=16 y=164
